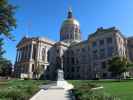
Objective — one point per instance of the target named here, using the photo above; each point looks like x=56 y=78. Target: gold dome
x=70 y=21
x=70 y=29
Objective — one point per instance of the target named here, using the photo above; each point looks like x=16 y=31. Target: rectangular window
x=48 y=57
x=101 y=42
x=94 y=44
x=103 y=65
x=72 y=69
x=95 y=54
x=102 y=53
x=29 y=52
x=84 y=59
x=72 y=59
x=109 y=40
x=78 y=50
x=110 y=51
x=77 y=61
x=83 y=49
x=88 y=48
x=67 y=60
x=34 y=52
x=22 y=69
x=78 y=68
x=33 y=67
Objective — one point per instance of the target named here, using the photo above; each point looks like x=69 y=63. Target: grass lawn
x=19 y=89
x=122 y=89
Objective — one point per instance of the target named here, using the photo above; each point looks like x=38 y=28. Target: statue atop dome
x=70 y=15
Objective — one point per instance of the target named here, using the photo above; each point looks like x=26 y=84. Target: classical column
x=46 y=56
x=17 y=56
x=31 y=52
x=20 y=54
x=24 y=52
x=38 y=51
x=27 y=51
x=28 y=54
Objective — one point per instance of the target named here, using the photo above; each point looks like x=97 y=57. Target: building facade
x=87 y=59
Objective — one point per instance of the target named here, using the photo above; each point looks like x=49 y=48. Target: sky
x=44 y=18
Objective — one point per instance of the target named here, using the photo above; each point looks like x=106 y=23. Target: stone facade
x=130 y=48
x=88 y=59
x=31 y=54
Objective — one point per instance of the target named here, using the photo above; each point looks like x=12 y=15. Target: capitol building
x=79 y=59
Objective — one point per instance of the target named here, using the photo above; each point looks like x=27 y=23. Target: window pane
x=110 y=51
x=109 y=40
x=101 y=42
x=102 y=53
x=94 y=44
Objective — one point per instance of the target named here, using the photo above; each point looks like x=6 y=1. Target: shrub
x=13 y=94
x=19 y=89
x=32 y=89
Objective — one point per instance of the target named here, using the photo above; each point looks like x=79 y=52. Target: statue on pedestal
x=60 y=73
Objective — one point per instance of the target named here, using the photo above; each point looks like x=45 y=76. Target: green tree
x=5 y=67
x=7 y=24
x=130 y=65
x=7 y=19
x=118 y=65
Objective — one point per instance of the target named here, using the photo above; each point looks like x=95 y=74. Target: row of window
x=102 y=42
x=72 y=69
x=103 y=64
x=102 y=53
x=70 y=60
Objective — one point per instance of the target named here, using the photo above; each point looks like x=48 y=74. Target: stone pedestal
x=61 y=83
x=60 y=75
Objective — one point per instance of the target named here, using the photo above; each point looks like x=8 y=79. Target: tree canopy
x=5 y=67
x=7 y=19
x=118 y=65
x=7 y=24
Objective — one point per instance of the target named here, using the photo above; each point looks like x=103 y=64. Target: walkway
x=51 y=92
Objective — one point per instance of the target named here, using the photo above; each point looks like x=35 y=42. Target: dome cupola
x=70 y=29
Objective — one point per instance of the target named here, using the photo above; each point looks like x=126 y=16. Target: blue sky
x=44 y=18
